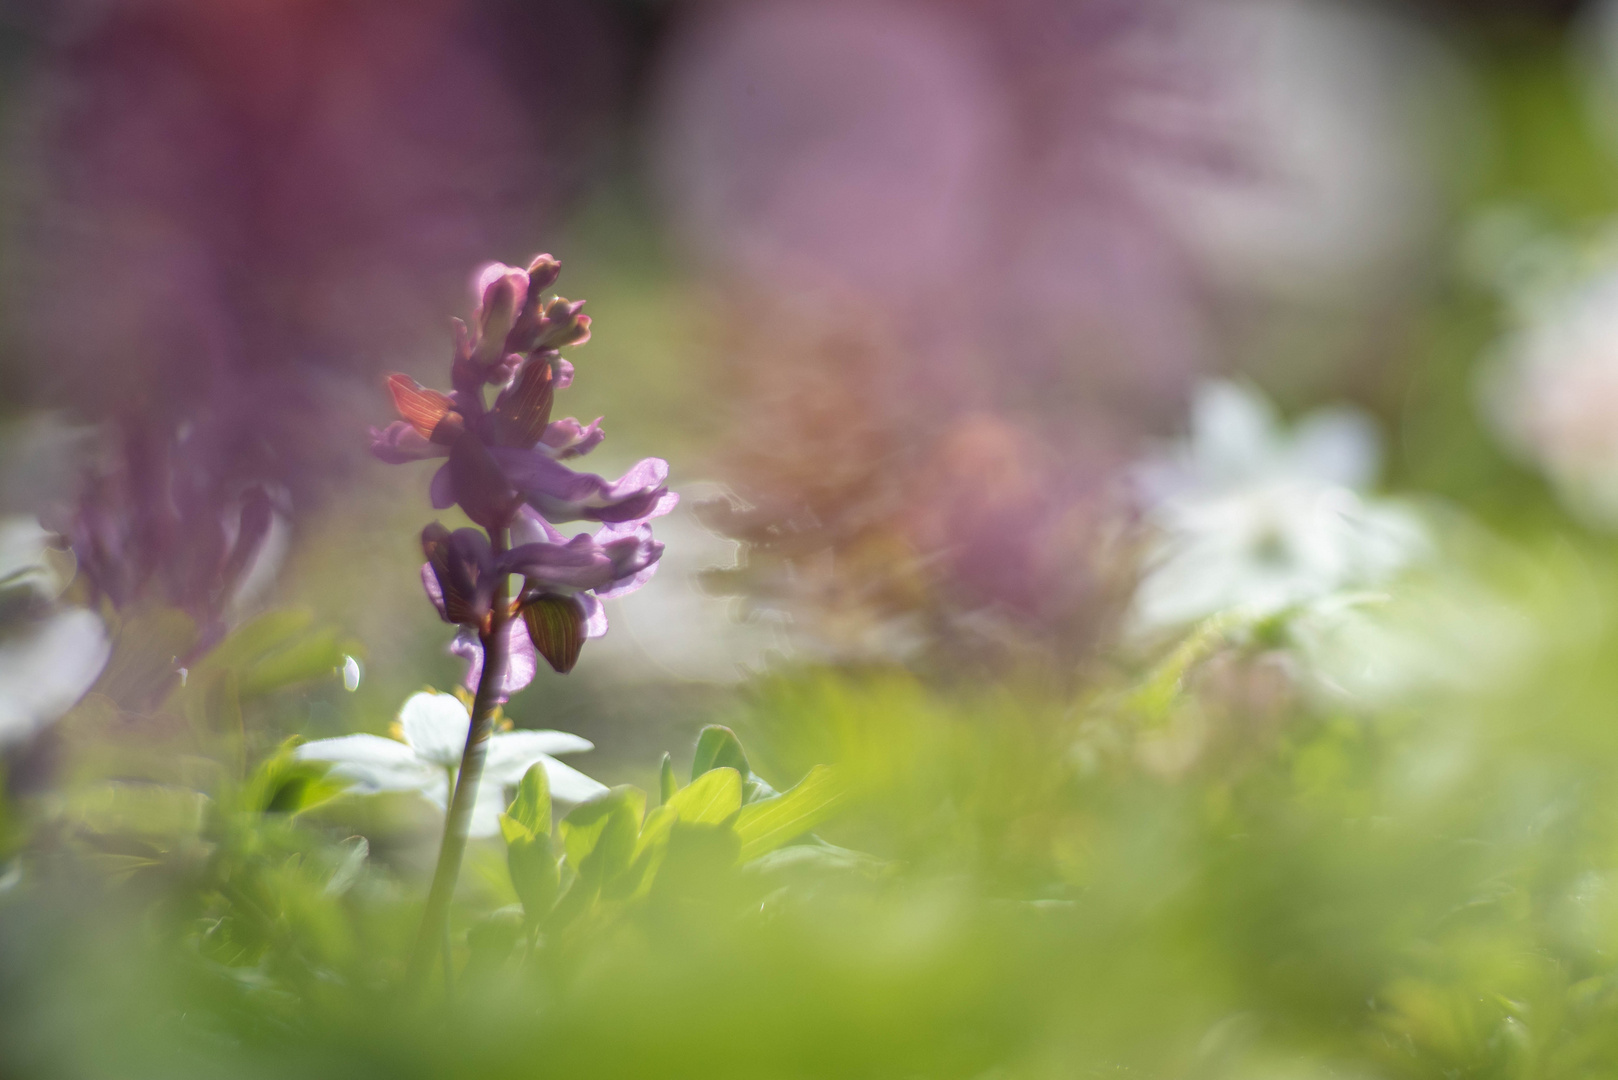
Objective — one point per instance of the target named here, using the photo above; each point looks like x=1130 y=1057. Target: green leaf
x=650 y=849
x=355 y=850
x=710 y=799
x=599 y=836
x=532 y=806
x=260 y=637
x=318 y=656
x=698 y=857
x=284 y=785
x=718 y=748
x=531 y=859
x=491 y=940
x=667 y=785
x=766 y=825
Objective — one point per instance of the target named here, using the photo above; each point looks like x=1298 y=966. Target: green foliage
x=530 y=856
x=713 y=798
x=718 y=748
x=766 y=825
x=666 y=783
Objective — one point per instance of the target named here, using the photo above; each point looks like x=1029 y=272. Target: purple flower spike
x=505 y=471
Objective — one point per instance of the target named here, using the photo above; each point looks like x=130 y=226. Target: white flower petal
x=372 y=763
x=1232 y=431
x=1337 y=446
x=46 y=670
x=511 y=752
x=569 y=784
x=435 y=726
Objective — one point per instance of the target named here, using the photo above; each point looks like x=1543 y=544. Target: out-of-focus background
x=906 y=287
x=945 y=314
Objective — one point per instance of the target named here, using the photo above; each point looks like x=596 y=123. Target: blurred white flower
x=1553 y=391
x=49 y=654
x=1251 y=518
x=433 y=727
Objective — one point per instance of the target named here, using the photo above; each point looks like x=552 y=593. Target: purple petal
x=521 y=659
x=429 y=582
x=399 y=443
x=560 y=494
x=442 y=488
x=568 y=438
x=480 y=487
x=595 y=616
x=625 y=586
x=578 y=564
x=563 y=377
x=527 y=527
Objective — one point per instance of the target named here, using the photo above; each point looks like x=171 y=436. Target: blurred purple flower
x=268 y=198
x=172 y=520
x=845 y=165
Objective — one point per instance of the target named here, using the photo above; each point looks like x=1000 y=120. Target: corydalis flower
x=505 y=470
x=432 y=730
x=509 y=453
x=564 y=582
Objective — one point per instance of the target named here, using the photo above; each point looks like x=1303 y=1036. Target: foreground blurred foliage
x=1175 y=872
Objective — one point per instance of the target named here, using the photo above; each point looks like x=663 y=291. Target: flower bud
x=457 y=561
x=562 y=323
x=542 y=273
x=503 y=290
x=556 y=626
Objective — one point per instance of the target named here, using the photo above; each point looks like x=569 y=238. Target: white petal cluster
x=434 y=728
x=1249 y=517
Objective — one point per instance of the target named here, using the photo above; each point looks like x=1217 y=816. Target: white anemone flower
x=434 y=727
x=1253 y=519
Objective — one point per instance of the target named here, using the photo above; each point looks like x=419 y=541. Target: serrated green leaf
x=766 y=825
x=718 y=748
x=532 y=805
x=666 y=783
x=710 y=799
x=599 y=836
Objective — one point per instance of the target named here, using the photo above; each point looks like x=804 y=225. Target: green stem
x=435 y=916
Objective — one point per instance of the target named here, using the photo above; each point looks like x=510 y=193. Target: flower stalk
x=452 y=847
x=504 y=470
